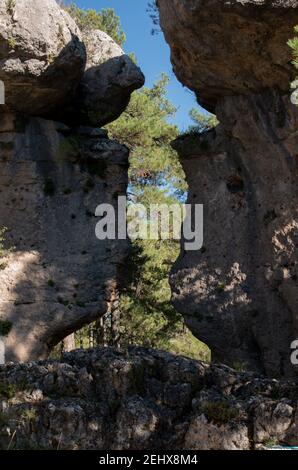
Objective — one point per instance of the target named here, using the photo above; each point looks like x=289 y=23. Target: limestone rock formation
x=58 y=276
x=42 y=56
x=53 y=174
x=109 y=79
x=239 y=293
x=142 y=399
x=50 y=69
x=222 y=48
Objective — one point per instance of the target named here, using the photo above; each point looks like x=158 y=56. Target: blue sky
x=152 y=52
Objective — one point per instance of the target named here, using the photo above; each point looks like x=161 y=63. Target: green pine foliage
x=202 y=122
x=293 y=44
x=146 y=129
x=3 y=251
x=155 y=177
x=106 y=20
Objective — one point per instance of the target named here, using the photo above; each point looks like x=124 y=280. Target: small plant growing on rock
x=7 y=390
x=221 y=286
x=271 y=442
x=10 y=5
x=219 y=412
x=70 y=147
x=12 y=43
x=61 y=41
x=29 y=414
x=239 y=366
x=6 y=146
x=3 y=251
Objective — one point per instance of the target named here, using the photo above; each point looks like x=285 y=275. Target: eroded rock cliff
x=53 y=174
x=141 y=399
x=239 y=293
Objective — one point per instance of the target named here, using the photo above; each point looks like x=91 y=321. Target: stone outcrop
x=109 y=79
x=223 y=48
x=53 y=174
x=142 y=399
x=239 y=293
x=42 y=56
x=50 y=69
x=58 y=276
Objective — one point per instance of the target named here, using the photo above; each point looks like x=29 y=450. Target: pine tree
x=146 y=129
x=202 y=122
x=155 y=177
x=106 y=20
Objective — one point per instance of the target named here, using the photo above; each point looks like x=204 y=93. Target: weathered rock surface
x=239 y=293
x=50 y=71
x=58 y=276
x=222 y=48
x=141 y=399
x=109 y=79
x=42 y=56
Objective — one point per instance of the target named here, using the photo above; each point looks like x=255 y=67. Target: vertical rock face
x=239 y=293
x=58 y=276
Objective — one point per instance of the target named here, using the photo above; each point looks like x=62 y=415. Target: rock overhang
x=222 y=48
x=53 y=70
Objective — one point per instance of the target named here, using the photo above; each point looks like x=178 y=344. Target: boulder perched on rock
x=239 y=293
x=142 y=399
x=109 y=79
x=49 y=71
x=42 y=57
x=221 y=48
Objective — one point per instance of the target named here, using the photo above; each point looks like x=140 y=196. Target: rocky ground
x=142 y=399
